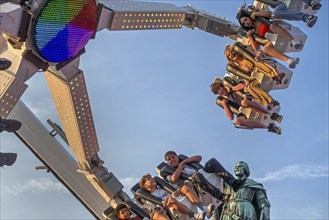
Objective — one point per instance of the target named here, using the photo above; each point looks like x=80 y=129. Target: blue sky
x=149 y=92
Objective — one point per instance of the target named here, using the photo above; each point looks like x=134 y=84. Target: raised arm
x=253 y=43
x=263 y=13
x=227 y=109
x=176 y=175
x=196 y=158
x=238 y=87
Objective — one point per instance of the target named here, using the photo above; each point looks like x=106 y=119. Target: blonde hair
x=228 y=49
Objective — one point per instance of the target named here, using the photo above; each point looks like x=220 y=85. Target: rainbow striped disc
x=64 y=27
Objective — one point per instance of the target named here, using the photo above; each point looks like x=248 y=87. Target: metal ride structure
x=50 y=35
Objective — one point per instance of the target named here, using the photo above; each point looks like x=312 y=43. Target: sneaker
x=297 y=44
x=7 y=159
x=209 y=210
x=292 y=62
x=311 y=20
x=273 y=128
x=9 y=125
x=4 y=63
x=199 y=216
x=276 y=117
x=315 y=5
x=188 y=184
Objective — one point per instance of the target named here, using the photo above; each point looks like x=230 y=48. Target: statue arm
x=263 y=205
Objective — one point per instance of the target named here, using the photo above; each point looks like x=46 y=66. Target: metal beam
x=37 y=138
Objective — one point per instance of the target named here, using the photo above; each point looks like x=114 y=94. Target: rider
x=229 y=98
x=253 y=88
x=149 y=184
x=262 y=26
x=281 y=11
x=183 y=168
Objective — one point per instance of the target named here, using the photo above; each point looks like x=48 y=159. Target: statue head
x=241 y=169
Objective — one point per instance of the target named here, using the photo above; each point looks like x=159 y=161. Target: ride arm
x=137 y=15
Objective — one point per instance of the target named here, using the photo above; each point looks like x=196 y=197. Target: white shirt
x=161 y=194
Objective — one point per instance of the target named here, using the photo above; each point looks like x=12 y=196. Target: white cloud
x=43 y=108
x=310 y=212
x=129 y=182
x=35 y=185
x=296 y=171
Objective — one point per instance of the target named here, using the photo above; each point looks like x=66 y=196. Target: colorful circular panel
x=64 y=27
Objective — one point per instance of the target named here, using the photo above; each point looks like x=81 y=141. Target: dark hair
x=119 y=207
x=242 y=13
x=215 y=86
x=169 y=153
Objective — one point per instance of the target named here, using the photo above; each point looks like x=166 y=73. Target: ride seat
x=265 y=83
x=164 y=170
x=279 y=42
x=144 y=196
x=248 y=112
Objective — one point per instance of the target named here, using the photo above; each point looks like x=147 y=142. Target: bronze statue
x=248 y=199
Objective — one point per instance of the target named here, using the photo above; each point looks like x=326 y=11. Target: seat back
x=109 y=213
x=194 y=165
x=280 y=43
x=242 y=51
x=238 y=72
x=137 y=210
x=164 y=170
x=142 y=195
x=234 y=109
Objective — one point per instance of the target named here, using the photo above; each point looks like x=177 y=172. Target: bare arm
x=175 y=177
x=227 y=110
x=252 y=40
x=263 y=13
x=196 y=158
x=238 y=87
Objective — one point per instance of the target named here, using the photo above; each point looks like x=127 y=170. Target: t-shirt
x=161 y=194
x=263 y=29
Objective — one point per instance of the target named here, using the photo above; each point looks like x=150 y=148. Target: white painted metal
x=36 y=136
